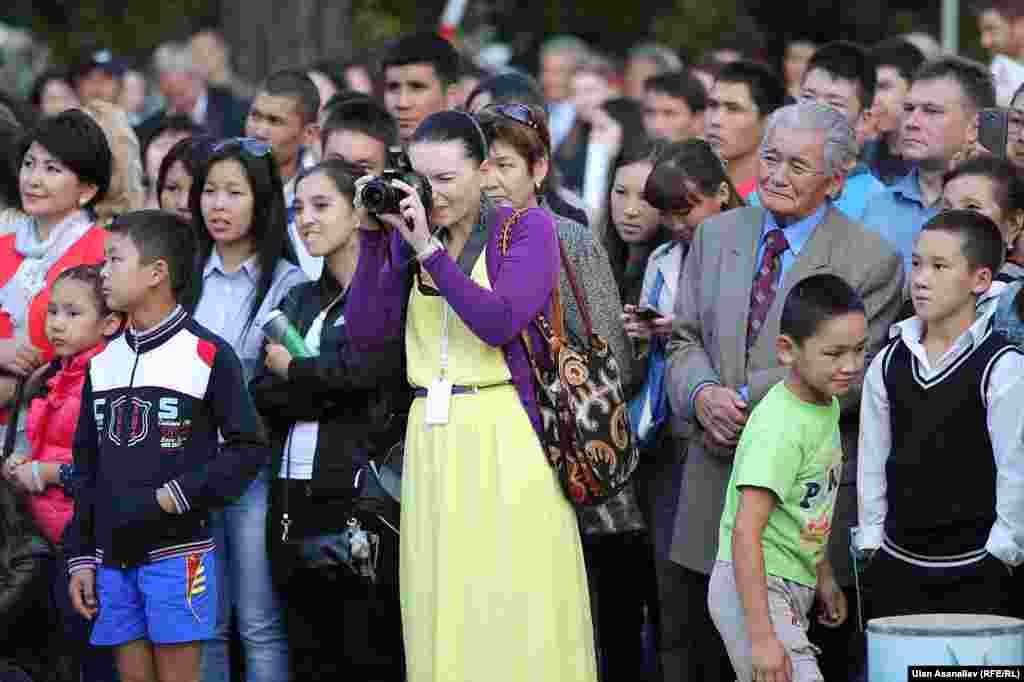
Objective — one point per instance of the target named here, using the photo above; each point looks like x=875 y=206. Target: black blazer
x=225 y=116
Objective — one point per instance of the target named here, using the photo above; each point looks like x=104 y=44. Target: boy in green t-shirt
x=779 y=502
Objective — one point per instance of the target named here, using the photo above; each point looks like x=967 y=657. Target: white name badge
x=439 y=398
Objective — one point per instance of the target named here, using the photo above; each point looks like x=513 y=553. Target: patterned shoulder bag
x=587 y=436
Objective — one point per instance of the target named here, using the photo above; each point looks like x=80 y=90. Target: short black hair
x=78 y=141
x=983 y=243
x=680 y=85
x=974 y=79
x=814 y=301
x=509 y=87
x=424 y=48
x=766 y=87
x=160 y=235
x=900 y=54
x=297 y=85
x=341 y=97
x=179 y=123
x=851 y=62
x=363 y=115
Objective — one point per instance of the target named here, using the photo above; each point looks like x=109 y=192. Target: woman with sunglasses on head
x=518 y=88
x=247 y=266
x=517 y=170
x=492 y=579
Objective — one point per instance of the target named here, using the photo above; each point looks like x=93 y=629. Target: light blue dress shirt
x=227 y=299
x=860 y=186
x=898 y=214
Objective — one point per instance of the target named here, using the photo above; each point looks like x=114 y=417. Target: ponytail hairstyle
x=448 y=126
x=340 y=172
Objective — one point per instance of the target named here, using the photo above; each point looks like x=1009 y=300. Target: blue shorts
x=172 y=601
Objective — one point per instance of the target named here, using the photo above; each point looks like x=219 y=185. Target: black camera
x=379 y=196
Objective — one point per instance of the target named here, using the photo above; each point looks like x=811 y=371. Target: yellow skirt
x=493 y=584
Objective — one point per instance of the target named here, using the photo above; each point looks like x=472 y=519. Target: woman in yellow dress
x=492 y=580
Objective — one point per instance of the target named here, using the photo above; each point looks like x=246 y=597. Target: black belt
x=458 y=389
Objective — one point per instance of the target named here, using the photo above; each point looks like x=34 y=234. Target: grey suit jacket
x=709 y=344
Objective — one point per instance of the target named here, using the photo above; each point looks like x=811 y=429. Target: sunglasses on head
x=249 y=145
x=520 y=113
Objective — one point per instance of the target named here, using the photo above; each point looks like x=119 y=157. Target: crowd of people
x=811 y=279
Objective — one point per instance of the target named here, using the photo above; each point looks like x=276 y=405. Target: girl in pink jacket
x=78 y=323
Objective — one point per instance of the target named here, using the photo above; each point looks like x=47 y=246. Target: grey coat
x=709 y=345
x=594 y=276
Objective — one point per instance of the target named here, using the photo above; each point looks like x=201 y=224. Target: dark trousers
x=94 y=663
x=338 y=630
x=896 y=588
x=691 y=648
x=340 y=627
x=621 y=572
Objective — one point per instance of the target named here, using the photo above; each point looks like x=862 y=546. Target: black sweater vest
x=941 y=472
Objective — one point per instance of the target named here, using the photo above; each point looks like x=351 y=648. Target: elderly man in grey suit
x=722 y=357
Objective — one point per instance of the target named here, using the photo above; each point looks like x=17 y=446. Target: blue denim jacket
x=1007 y=321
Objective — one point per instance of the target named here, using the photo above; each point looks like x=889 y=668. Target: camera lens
x=374 y=195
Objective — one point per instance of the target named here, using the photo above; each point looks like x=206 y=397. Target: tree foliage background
x=270 y=34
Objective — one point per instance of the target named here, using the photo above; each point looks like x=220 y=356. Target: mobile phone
x=993 y=130
x=648 y=314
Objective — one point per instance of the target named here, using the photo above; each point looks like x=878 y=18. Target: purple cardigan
x=522 y=282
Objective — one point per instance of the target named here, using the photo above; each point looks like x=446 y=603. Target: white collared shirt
x=1005 y=397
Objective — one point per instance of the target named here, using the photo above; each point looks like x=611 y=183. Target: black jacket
x=26 y=617
x=353 y=395
x=225 y=116
x=152 y=408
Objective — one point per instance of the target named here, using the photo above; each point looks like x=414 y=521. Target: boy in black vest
x=167 y=431
x=941 y=459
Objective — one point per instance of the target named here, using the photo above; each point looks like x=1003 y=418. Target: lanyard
x=444 y=339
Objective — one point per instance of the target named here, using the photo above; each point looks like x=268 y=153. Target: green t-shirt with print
x=792 y=448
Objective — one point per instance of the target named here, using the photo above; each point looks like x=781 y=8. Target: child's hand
x=278 y=359
x=769 y=661
x=13 y=462
x=83 y=592
x=22 y=478
x=832 y=606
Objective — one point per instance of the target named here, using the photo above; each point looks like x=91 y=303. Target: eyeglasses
x=520 y=113
x=793 y=168
x=249 y=145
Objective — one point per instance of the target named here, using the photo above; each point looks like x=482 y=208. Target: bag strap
x=555 y=331
x=581 y=298
x=12 y=423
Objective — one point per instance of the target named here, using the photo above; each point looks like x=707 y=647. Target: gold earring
x=82 y=202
